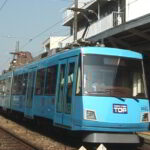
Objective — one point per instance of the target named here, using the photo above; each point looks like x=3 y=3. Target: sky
x=29 y=22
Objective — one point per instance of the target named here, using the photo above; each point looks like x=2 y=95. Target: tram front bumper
x=110 y=138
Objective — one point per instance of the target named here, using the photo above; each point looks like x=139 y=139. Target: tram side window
x=40 y=82
x=14 y=86
x=7 y=86
x=19 y=84
x=24 y=84
x=51 y=78
x=1 y=87
x=59 y=106
x=78 y=84
x=69 y=88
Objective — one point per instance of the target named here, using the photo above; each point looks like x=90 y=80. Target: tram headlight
x=90 y=115
x=145 y=117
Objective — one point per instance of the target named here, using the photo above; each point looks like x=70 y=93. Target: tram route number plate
x=120 y=108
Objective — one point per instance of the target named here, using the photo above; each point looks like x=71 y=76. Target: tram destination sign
x=120 y=108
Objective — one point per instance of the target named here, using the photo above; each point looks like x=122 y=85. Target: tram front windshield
x=112 y=76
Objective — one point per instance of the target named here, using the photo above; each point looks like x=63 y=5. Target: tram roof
x=111 y=52
x=74 y=52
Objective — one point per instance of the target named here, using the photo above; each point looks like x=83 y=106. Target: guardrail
x=107 y=22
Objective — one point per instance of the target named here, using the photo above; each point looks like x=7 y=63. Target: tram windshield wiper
x=120 y=98
x=135 y=99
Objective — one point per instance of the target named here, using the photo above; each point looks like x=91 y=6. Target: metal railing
x=107 y=22
x=68 y=15
x=118 y=18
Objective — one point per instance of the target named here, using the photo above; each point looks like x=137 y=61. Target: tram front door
x=65 y=92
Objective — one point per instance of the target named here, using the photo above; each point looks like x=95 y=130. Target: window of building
x=51 y=78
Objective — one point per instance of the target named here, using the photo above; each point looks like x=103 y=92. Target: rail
x=9 y=141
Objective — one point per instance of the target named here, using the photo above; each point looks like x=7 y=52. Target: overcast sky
x=24 y=20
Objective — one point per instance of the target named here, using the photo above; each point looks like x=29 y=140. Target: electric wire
x=36 y=36
x=2 y=6
x=39 y=34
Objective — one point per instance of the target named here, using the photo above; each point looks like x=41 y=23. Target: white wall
x=54 y=42
x=136 y=8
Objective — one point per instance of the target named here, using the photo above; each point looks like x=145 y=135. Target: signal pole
x=75 y=23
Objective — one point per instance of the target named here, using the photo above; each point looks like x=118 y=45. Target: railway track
x=57 y=140
x=10 y=141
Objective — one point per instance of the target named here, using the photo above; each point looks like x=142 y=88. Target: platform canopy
x=133 y=35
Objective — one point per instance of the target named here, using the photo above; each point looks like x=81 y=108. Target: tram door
x=29 y=95
x=65 y=92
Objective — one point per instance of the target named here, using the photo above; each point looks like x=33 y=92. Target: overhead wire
x=39 y=34
x=47 y=29
x=31 y=39
x=36 y=36
x=4 y=3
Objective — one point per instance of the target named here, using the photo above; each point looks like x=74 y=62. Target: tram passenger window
x=7 y=86
x=1 y=87
x=59 y=106
x=40 y=82
x=138 y=86
x=19 y=84
x=51 y=78
x=69 y=88
x=14 y=86
x=78 y=84
x=24 y=84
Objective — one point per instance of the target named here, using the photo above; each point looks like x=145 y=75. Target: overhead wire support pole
x=75 y=24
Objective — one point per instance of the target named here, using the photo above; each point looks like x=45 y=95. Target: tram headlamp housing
x=90 y=115
x=145 y=117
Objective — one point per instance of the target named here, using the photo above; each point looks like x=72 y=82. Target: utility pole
x=75 y=23
x=17 y=46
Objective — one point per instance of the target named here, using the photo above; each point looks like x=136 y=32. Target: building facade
x=104 y=15
x=53 y=42
x=115 y=23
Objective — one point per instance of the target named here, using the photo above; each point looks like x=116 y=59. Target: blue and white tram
x=100 y=92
